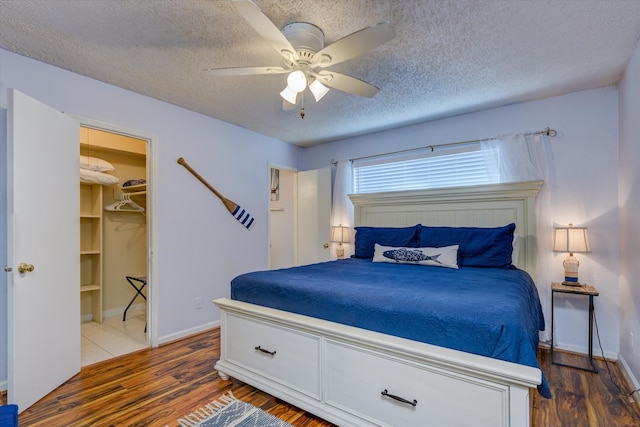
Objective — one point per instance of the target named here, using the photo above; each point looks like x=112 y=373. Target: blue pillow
x=367 y=237
x=9 y=416
x=479 y=247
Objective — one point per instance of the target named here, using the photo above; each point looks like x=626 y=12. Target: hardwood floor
x=583 y=398
x=155 y=387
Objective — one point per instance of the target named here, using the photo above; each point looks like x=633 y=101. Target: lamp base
x=565 y=283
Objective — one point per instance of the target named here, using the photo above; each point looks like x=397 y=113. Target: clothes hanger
x=124 y=205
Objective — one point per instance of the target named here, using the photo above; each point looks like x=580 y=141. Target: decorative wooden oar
x=234 y=209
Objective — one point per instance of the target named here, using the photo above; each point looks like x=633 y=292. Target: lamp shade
x=297 y=81
x=571 y=239
x=340 y=234
x=318 y=89
x=289 y=95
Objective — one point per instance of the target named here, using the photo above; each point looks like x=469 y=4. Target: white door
x=281 y=222
x=43 y=231
x=314 y=216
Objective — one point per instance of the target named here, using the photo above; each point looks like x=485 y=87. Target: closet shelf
x=91 y=245
x=135 y=188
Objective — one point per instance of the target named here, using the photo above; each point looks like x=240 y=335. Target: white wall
x=583 y=188
x=199 y=247
x=629 y=218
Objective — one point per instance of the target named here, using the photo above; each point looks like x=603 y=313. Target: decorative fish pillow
x=446 y=256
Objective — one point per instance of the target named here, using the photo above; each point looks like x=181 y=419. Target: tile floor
x=113 y=337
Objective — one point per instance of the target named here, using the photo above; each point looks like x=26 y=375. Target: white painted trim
x=585 y=351
x=188 y=332
x=119 y=311
x=630 y=377
x=153 y=283
x=580 y=350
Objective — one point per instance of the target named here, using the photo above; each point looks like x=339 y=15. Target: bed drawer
x=356 y=378
x=289 y=357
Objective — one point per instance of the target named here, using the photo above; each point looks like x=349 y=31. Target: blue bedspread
x=492 y=312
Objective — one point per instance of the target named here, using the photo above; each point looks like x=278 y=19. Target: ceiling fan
x=306 y=58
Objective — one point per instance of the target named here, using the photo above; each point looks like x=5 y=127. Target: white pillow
x=446 y=256
x=95 y=164
x=93 y=177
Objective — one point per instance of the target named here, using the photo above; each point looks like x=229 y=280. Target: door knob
x=326 y=246
x=25 y=268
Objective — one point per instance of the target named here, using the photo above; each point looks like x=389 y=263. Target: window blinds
x=469 y=166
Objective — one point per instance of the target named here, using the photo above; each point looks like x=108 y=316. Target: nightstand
x=586 y=290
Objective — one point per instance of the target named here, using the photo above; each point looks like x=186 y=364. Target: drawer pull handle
x=399 y=399
x=273 y=353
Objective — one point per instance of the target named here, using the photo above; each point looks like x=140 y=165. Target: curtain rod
x=547 y=131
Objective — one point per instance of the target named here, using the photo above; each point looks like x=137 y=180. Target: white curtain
x=520 y=157
x=341 y=206
x=528 y=157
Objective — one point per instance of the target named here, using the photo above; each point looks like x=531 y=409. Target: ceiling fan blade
x=267 y=30
x=353 y=45
x=346 y=83
x=245 y=71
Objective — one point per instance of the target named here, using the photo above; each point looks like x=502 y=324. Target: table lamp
x=340 y=235
x=571 y=239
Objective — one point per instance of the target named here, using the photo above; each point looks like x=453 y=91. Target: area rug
x=228 y=411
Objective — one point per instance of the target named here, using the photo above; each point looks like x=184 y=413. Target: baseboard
x=632 y=381
x=188 y=332
x=136 y=308
x=597 y=353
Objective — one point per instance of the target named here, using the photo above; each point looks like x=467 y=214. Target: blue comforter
x=492 y=312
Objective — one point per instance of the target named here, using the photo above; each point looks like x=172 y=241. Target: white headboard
x=476 y=206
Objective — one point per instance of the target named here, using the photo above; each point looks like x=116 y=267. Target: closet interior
x=113 y=229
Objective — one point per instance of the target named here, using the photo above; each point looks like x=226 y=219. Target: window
x=452 y=167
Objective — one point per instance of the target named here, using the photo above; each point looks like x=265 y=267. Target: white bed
x=340 y=372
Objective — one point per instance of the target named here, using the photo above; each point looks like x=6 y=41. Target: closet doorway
x=299 y=216
x=114 y=238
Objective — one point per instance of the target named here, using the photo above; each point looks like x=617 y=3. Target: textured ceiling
x=448 y=57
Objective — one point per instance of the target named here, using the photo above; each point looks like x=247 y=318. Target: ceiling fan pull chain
x=302 y=108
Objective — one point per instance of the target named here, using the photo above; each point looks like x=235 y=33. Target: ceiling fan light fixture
x=302 y=47
x=297 y=81
x=289 y=95
x=318 y=89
